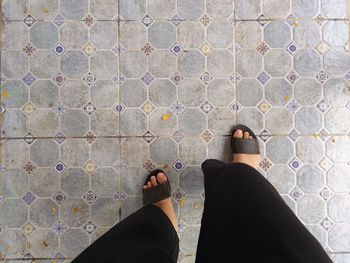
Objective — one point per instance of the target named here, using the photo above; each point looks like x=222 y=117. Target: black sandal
x=157 y=193
x=242 y=145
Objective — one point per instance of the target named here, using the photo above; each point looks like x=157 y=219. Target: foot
x=250 y=159
x=166 y=205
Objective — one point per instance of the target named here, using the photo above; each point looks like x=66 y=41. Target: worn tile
x=17 y=35
x=336 y=61
x=338 y=208
x=337 y=120
x=139 y=148
x=338 y=178
x=14 y=183
x=191 y=34
x=74 y=10
x=105 y=151
x=334 y=8
x=282 y=178
x=337 y=147
x=13 y=213
x=14 y=64
x=163 y=151
x=74 y=182
x=15 y=153
x=305 y=9
x=43 y=213
x=192 y=209
x=105 y=212
x=15 y=10
x=74 y=212
x=104 y=9
x=279 y=149
x=44 y=243
x=191 y=64
x=104 y=182
x=279 y=121
x=192 y=10
x=160 y=126
x=280 y=28
x=73 y=242
x=311 y=208
x=13 y=244
x=310 y=179
x=247 y=9
x=44 y=182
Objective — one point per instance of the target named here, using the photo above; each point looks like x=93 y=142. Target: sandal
x=242 y=145
x=156 y=193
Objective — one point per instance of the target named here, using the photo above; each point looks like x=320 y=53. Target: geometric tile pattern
x=94 y=96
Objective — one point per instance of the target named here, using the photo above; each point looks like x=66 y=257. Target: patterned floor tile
x=96 y=94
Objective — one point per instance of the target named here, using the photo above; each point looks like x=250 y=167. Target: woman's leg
x=148 y=235
x=246 y=220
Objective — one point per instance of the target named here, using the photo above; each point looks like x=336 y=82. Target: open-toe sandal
x=243 y=145
x=156 y=193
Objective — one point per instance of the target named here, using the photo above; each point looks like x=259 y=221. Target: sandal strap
x=247 y=146
x=158 y=192
x=242 y=145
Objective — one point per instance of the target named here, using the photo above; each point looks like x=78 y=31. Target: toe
x=154 y=181
x=238 y=134
x=246 y=135
x=161 y=178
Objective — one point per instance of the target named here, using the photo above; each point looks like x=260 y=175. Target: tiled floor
x=95 y=93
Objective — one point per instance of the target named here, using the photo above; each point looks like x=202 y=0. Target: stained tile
x=44 y=243
x=74 y=212
x=191 y=210
x=43 y=213
x=337 y=147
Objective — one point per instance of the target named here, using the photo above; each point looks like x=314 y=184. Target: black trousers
x=145 y=236
x=244 y=220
